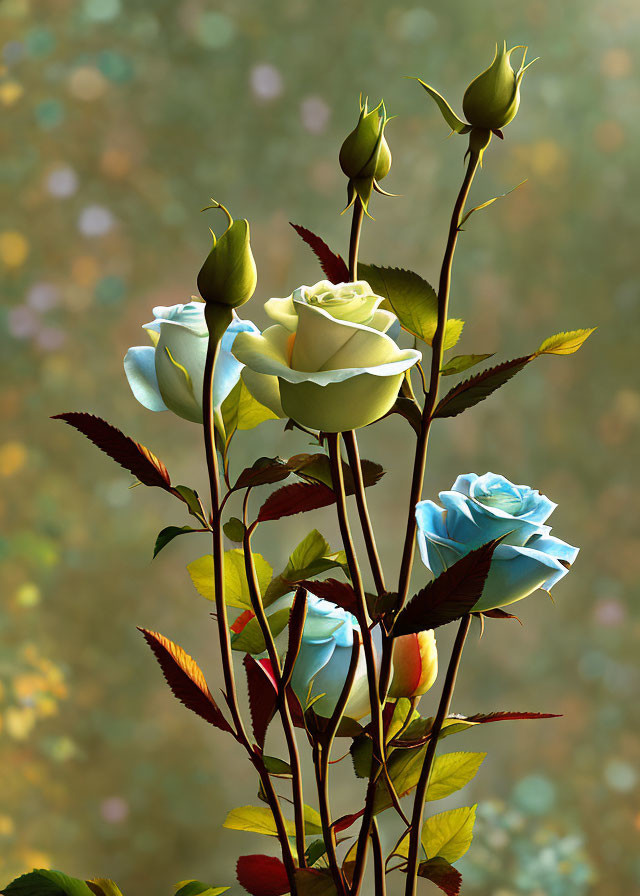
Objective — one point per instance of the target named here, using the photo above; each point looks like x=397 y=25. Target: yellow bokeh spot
x=547 y=157
x=10 y=92
x=13 y=456
x=20 y=721
x=85 y=270
x=7 y=827
x=116 y=163
x=28 y=595
x=14 y=248
x=87 y=83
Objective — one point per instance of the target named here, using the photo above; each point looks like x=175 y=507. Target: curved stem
x=444 y=289
x=353 y=455
x=213 y=347
x=427 y=765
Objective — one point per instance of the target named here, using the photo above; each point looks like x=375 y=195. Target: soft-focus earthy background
x=120 y=120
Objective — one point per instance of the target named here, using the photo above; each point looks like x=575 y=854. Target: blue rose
x=168 y=375
x=481 y=508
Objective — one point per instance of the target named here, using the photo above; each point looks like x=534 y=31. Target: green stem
x=437 y=350
x=354 y=239
x=427 y=765
x=216 y=328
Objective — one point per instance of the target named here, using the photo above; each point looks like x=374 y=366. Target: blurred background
x=120 y=121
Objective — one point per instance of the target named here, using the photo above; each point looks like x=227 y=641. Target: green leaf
x=451 y=771
x=315 y=850
x=240 y=410
x=310 y=558
x=167 y=535
x=412 y=300
x=101 y=886
x=460 y=127
x=565 y=343
x=234 y=529
x=449 y=834
x=311 y=882
x=259 y=820
x=251 y=640
x=277 y=767
x=197 y=888
x=42 y=882
x=474 y=390
x=361 y=753
x=192 y=501
x=404 y=768
x=403 y=716
x=462 y=362
x=489 y=202
x=235 y=577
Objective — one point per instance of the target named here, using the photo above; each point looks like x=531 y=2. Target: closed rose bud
x=229 y=277
x=365 y=157
x=415 y=665
x=492 y=99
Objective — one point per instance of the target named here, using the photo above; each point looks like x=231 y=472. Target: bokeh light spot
x=14 y=248
x=13 y=457
x=620 y=775
x=215 y=30
x=10 y=92
x=101 y=10
x=87 y=83
x=315 y=114
x=266 y=82
x=534 y=794
x=49 y=114
x=95 y=220
x=110 y=290
x=62 y=182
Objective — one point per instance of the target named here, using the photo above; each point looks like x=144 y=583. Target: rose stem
x=427 y=765
x=322 y=743
x=437 y=349
x=353 y=455
x=354 y=240
x=378 y=861
x=283 y=705
x=333 y=441
x=213 y=348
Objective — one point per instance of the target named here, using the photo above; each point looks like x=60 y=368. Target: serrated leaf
x=42 y=882
x=462 y=362
x=262 y=698
x=236 y=587
x=310 y=558
x=251 y=640
x=339 y=593
x=331 y=263
x=167 y=535
x=241 y=411
x=565 y=343
x=262 y=875
x=449 y=596
x=482 y=718
x=362 y=753
x=263 y=471
x=197 y=888
x=185 y=678
x=234 y=529
x=133 y=456
x=297 y=498
x=474 y=390
x=448 y=114
x=449 y=834
x=101 y=886
x=451 y=771
x=412 y=300
x=442 y=874
x=260 y=820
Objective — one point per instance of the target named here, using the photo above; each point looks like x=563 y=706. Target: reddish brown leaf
x=263 y=472
x=332 y=264
x=442 y=874
x=185 y=678
x=482 y=718
x=134 y=457
x=262 y=875
x=452 y=594
x=244 y=617
x=262 y=698
x=296 y=627
x=469 y=392
x=311 y=882
x=500 y=614
x=340 y=593
x=297 y=498
x=345 y=821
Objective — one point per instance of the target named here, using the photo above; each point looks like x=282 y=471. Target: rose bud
x=492 y=99
x=229 y=277
x=365 y=157
x=415 y=665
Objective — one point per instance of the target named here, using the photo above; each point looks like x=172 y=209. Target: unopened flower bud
x=415 y=665
x=492 y=99
x=228 y=276
x=365 y=157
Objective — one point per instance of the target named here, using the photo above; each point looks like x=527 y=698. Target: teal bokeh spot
x=101 y=10
x=534 y=794
x=215 y=30
x=49 y=114
x=40 y=42
x=110 y=290
x=115 y=66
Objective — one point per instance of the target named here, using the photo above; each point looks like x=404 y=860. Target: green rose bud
x=365 y=157
x=229 y=277
x=492 y=99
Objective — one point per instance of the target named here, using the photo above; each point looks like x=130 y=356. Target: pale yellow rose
x=328 y=362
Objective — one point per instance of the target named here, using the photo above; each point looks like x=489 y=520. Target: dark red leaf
x=262 y=698
x=134 y=457
x=469 y=392
x=311 y=882
x=482 y=718
x=442 y=874
x=500 y=614
x=454 y=593
x=340 y=593
x=185 y=678
x=262 y=875
x=297 y=498
x=263 y=472
x=345 y=821
x=296 y=627
x=332 y=264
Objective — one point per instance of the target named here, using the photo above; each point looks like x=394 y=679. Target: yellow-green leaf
x=103 y=887
x=240 y=410
x=259 y=820
x=235 y=577
x=460 y=127
x=310 y=558
x=564 y=343
x=449 y=834
x=197 y=888
x=451 y=771
x=462 y=362
x=251 y=640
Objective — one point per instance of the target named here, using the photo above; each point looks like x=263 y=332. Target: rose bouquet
x=347 y=655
